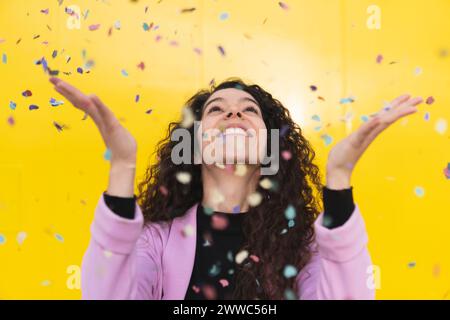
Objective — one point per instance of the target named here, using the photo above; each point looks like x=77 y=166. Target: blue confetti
x=33 y=107
x=80 y=70
x=315 y=117
x=327 y=139
x=224 y=16
x=236 y=209
x=107 y=155
x=364 y=118
x=55 y=102
x=427 y=116
x=146 y=26
x=137 y=98
x=419 y=191
x=411 y=264
x=59 y=237
x=124 y=73
x=12 y=105
x=4 y=58
x=291 y=223
x=290 y=213
x=346 y=100
x=2 y=239
x=290 y=271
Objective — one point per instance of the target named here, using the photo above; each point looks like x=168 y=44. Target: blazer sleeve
x=340 y=266
x=123 y=259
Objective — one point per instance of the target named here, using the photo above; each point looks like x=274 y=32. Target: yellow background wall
x=51 y=181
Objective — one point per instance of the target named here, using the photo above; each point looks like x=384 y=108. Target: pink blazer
x=126 y=260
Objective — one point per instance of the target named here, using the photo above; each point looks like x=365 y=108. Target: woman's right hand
x=117 y=139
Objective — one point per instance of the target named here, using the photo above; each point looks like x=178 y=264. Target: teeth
x=235 y=131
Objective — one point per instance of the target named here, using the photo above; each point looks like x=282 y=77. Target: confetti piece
x=55 y=103
x=286 y=154
x=4 y=58
x=80 y=70
x=283 y=5
x=196 y=289
x=346 y=100
x=447 y=171
x=417 y=71
x=327 y=139
x=45 y=11
x=188 y=231
x=209 y=292
x=289 y=271
x=419 y=191
x=94 y=27
x=198 y=51
x=58 y=126
x=141 y=66
x=124 y=73
x=241 y=256
x=164 y=190
x=149 y=111
x=441 y=126
x=188 y=10
x=214 y=270
x=33 y=107
x=254 y=258
x=21 y=236
x=364 y=118
x=46 y=283
x=254 y=199
x=117 y=25
x=59 y=237
x=284 y=130
x=183 y=177
x=27 y=93
x=224 y=16
x=379 y=58
x=290 y=213
x=107 y=155
x=54 y=54
x=266 y=183
x=11 y=121
x=224 y=282
x=411 y=264
x=12 y=105
x=147 y=26
x=427 y=116
x=221 y=50
x=289 y=294
x=136 y=99
x=219 y=222
x=2 y=239
x=291 y=223
x=313 y=88
x=429 y=100
x=436 y=270
x=315 y=117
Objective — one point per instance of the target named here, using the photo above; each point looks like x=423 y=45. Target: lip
x=236 y=125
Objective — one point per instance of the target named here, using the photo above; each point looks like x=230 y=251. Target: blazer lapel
x=178 y=257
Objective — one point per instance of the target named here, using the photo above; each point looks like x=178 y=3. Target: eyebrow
x=222 y=99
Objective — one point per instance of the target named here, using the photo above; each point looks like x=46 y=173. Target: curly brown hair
x=267 y=234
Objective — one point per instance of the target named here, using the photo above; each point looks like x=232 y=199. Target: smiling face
x=232 y=128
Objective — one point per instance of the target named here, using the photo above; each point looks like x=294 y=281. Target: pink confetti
x=209 y=292
x=379 y=58
x=286 y=154
x=224 y=282
x=429 y=100
x=254 y=258
x=141 y=66
x=219 y=222
x=283 y=5
x=94 y=27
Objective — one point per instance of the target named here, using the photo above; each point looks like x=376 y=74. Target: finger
x=105 y=112
x=364 y=131
x=399 y=100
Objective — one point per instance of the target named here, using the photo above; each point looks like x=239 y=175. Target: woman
x=215 y=230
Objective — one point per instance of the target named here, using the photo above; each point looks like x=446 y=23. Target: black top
x=216 y=246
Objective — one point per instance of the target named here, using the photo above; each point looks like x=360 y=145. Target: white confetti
x=241 y=256
x=183 y=177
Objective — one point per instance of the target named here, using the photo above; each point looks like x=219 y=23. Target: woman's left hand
x=344 y=155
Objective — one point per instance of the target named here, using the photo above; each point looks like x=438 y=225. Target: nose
x=231 y=114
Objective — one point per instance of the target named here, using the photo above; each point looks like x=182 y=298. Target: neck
x=223 y=190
